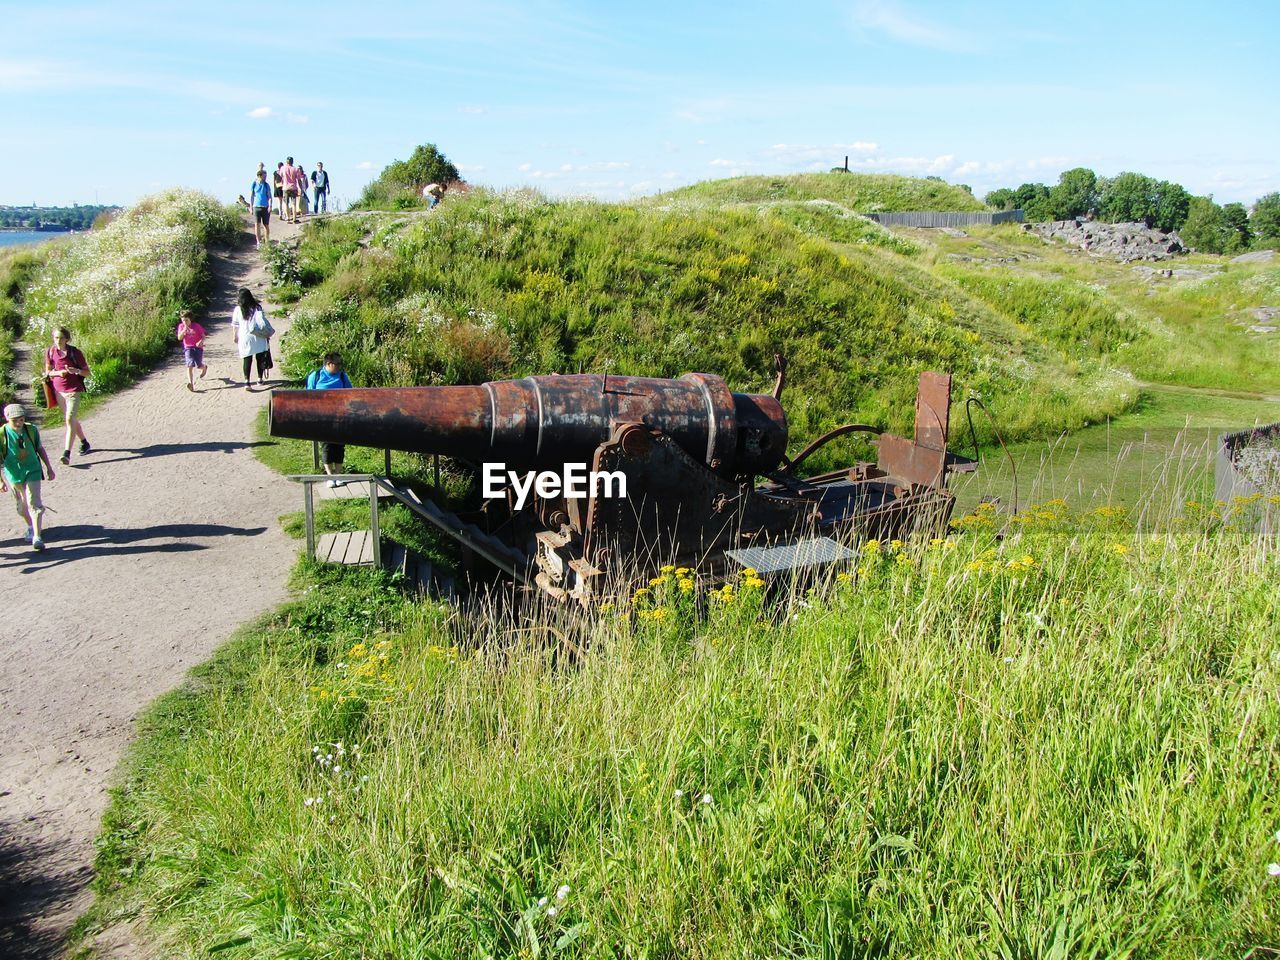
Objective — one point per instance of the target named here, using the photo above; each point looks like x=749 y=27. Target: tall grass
x=120 y=288
x=19 y=266
x=1059 y=742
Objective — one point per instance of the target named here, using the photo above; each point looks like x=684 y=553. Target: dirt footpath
x=160 y=543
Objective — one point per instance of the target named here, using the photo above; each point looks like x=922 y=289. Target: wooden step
x=351 y=548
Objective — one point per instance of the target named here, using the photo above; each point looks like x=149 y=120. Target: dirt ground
x=160 y=543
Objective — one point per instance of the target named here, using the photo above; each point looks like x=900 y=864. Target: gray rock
x=1258 y=256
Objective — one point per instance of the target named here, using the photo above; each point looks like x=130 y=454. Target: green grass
x=1189 y=330
x=1165 y=447
x=19 y=267
x=964 y=751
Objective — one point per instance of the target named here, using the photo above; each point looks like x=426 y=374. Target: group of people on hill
x=287 y=194
x=24 y=462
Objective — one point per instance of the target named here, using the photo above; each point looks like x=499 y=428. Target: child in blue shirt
x=330 y=376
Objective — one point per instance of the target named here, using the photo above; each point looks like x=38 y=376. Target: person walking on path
x=302 y=190
x=291 y=176
x=252 y=331
x=67 y=367
x=191 y=336
x=277 y=182
x=330 y=376
x=260 y=199
x=23 y=454
x=320 y=179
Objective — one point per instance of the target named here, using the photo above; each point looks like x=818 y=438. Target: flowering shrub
x=119 y=289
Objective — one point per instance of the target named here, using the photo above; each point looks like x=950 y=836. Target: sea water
x=12 y=238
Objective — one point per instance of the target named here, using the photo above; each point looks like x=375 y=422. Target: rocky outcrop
x=1114 y=241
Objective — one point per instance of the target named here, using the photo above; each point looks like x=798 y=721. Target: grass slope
x=952 y=749
x=500 y=286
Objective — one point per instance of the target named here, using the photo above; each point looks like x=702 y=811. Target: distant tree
x=1126 y=197
x=1033 y=200
x=1236 y=219
x=1206 y=229
x=1170 y=206
x=1265 y=221
x=400 y=181
x=1075 y=195
x=1137 y=197
x=1001 y=199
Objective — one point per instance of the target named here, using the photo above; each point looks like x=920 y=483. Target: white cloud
x=525 y=167
x=259 y=113
x=297 y=118
x=883 y=16
x=721 y=162
x=364 y=165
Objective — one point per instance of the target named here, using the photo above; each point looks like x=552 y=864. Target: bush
x=398 y=186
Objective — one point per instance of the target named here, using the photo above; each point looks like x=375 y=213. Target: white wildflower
x=706 y=799
x=552 y=911
x=562 y=892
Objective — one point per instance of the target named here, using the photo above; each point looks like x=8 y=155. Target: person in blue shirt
x=330 y=376
x=260 y=200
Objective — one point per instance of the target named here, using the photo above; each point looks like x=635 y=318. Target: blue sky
x=110 y=102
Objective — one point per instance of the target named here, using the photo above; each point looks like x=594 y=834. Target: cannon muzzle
x=540 y=423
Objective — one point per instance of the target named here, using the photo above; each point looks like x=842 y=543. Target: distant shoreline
x=41 y=229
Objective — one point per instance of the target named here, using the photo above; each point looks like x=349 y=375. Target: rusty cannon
x=681 y=471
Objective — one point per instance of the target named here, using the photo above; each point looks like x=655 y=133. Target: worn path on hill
x=161 y=542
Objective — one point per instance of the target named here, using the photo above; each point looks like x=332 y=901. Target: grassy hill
x=494 y=286
x=861 y=192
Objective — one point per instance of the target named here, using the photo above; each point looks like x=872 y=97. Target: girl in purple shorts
x=191 y=336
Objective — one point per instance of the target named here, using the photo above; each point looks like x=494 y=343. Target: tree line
x=1135 y=197
x=63 y=218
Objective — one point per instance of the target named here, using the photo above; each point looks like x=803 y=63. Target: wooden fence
x=929 y=219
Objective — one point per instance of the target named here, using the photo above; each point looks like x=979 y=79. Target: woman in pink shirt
x=191 y=336
x=66 y=367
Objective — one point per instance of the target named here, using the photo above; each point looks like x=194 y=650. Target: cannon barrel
x=539 y=423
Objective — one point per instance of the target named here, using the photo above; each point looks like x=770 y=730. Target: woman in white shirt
x=252 y=331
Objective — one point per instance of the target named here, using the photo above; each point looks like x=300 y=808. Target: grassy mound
x=119 y=289
x=493 y=286
x=860 y=192
x=960 y=749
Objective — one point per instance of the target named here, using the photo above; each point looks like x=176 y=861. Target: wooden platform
x=351 y=548
x=352 y=490
x=355 y=548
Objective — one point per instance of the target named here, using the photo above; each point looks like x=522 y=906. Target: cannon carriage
x=688 y=472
